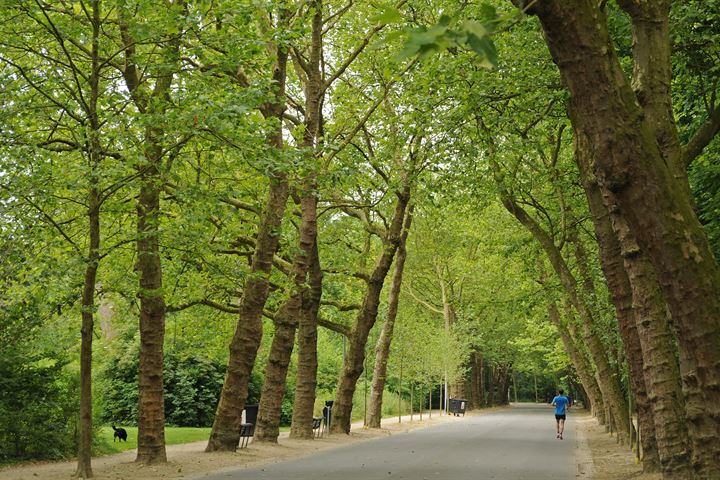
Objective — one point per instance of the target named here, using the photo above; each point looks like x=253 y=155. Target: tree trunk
x=286 y=324
x=151 y=409
x=658 y=212
x=621 y=295
x=273 y=390
x=84 y=467
x=225 y=434
x=607 y=377
x=628 y=269
x=306 y=380
x=353 y=365
x=582 y=367
x=382 y=350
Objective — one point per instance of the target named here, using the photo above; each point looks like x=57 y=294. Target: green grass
x=173 y=436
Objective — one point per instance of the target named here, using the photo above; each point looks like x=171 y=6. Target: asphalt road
x=518 y=443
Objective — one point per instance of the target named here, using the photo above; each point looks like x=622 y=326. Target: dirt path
x=189 y=459
x=600 y=457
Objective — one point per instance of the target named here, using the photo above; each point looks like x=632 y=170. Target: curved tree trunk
x=607 y=377
x=582 y=367
x=353 y=365
x=621 y=294
x=225 y=434
x=382 y=350
x=657 y=209
x=268 y=427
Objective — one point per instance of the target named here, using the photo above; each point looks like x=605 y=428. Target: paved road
x=513 y=444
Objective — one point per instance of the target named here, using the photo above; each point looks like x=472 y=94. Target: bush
x=38 y=409
x=192 y=389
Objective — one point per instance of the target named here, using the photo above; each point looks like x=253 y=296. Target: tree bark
x=629 y=269
x=382 y=350
x=267 y=428
x=353 y=365
x=658 y=212
x=286 y=323
x=622 y=299
x=306 y=380
x=151 y=410
x=307 y=257
x=225 y=434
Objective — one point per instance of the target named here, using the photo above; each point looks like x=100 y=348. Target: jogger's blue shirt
x=560 y=403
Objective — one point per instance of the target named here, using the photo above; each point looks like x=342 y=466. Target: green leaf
x=388 y=15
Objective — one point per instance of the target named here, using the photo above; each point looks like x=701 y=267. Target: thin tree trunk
x=607 y=377
x=382 y=350
x=225 y=434
x=84 y=467
x=412 y=406
x=583 y=365
x=353 y=365
x=658 y=212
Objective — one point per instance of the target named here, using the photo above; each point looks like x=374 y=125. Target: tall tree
x=633 y=172
x=382 y=349
x=225 y=433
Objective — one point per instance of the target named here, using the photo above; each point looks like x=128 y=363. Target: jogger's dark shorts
x=559 y=417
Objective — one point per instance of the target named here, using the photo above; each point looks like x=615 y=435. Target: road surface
x=511 y=444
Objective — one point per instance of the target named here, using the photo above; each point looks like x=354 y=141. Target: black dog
x=120 y=434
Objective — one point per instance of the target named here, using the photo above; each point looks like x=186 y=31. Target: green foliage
x=449 y=34
x=38 y=407
x=705 y=180
x=192 y=389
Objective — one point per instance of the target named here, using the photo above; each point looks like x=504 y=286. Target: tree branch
x=702 y=137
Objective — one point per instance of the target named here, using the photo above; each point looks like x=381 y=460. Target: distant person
x=561 y=404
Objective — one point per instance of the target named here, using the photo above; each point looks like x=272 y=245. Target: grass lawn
x=173 y=435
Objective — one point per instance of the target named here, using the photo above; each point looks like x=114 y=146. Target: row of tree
x=285 y=165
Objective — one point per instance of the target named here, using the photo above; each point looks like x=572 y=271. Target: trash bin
x=250 y=414
x=327 y=413
x=457 y=406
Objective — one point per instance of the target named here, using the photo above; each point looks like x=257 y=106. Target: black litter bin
x=327 y=413
x=457 y=406
x=251 y=413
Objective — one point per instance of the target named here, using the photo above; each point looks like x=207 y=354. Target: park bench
x=317 y=426
x=247 y=430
